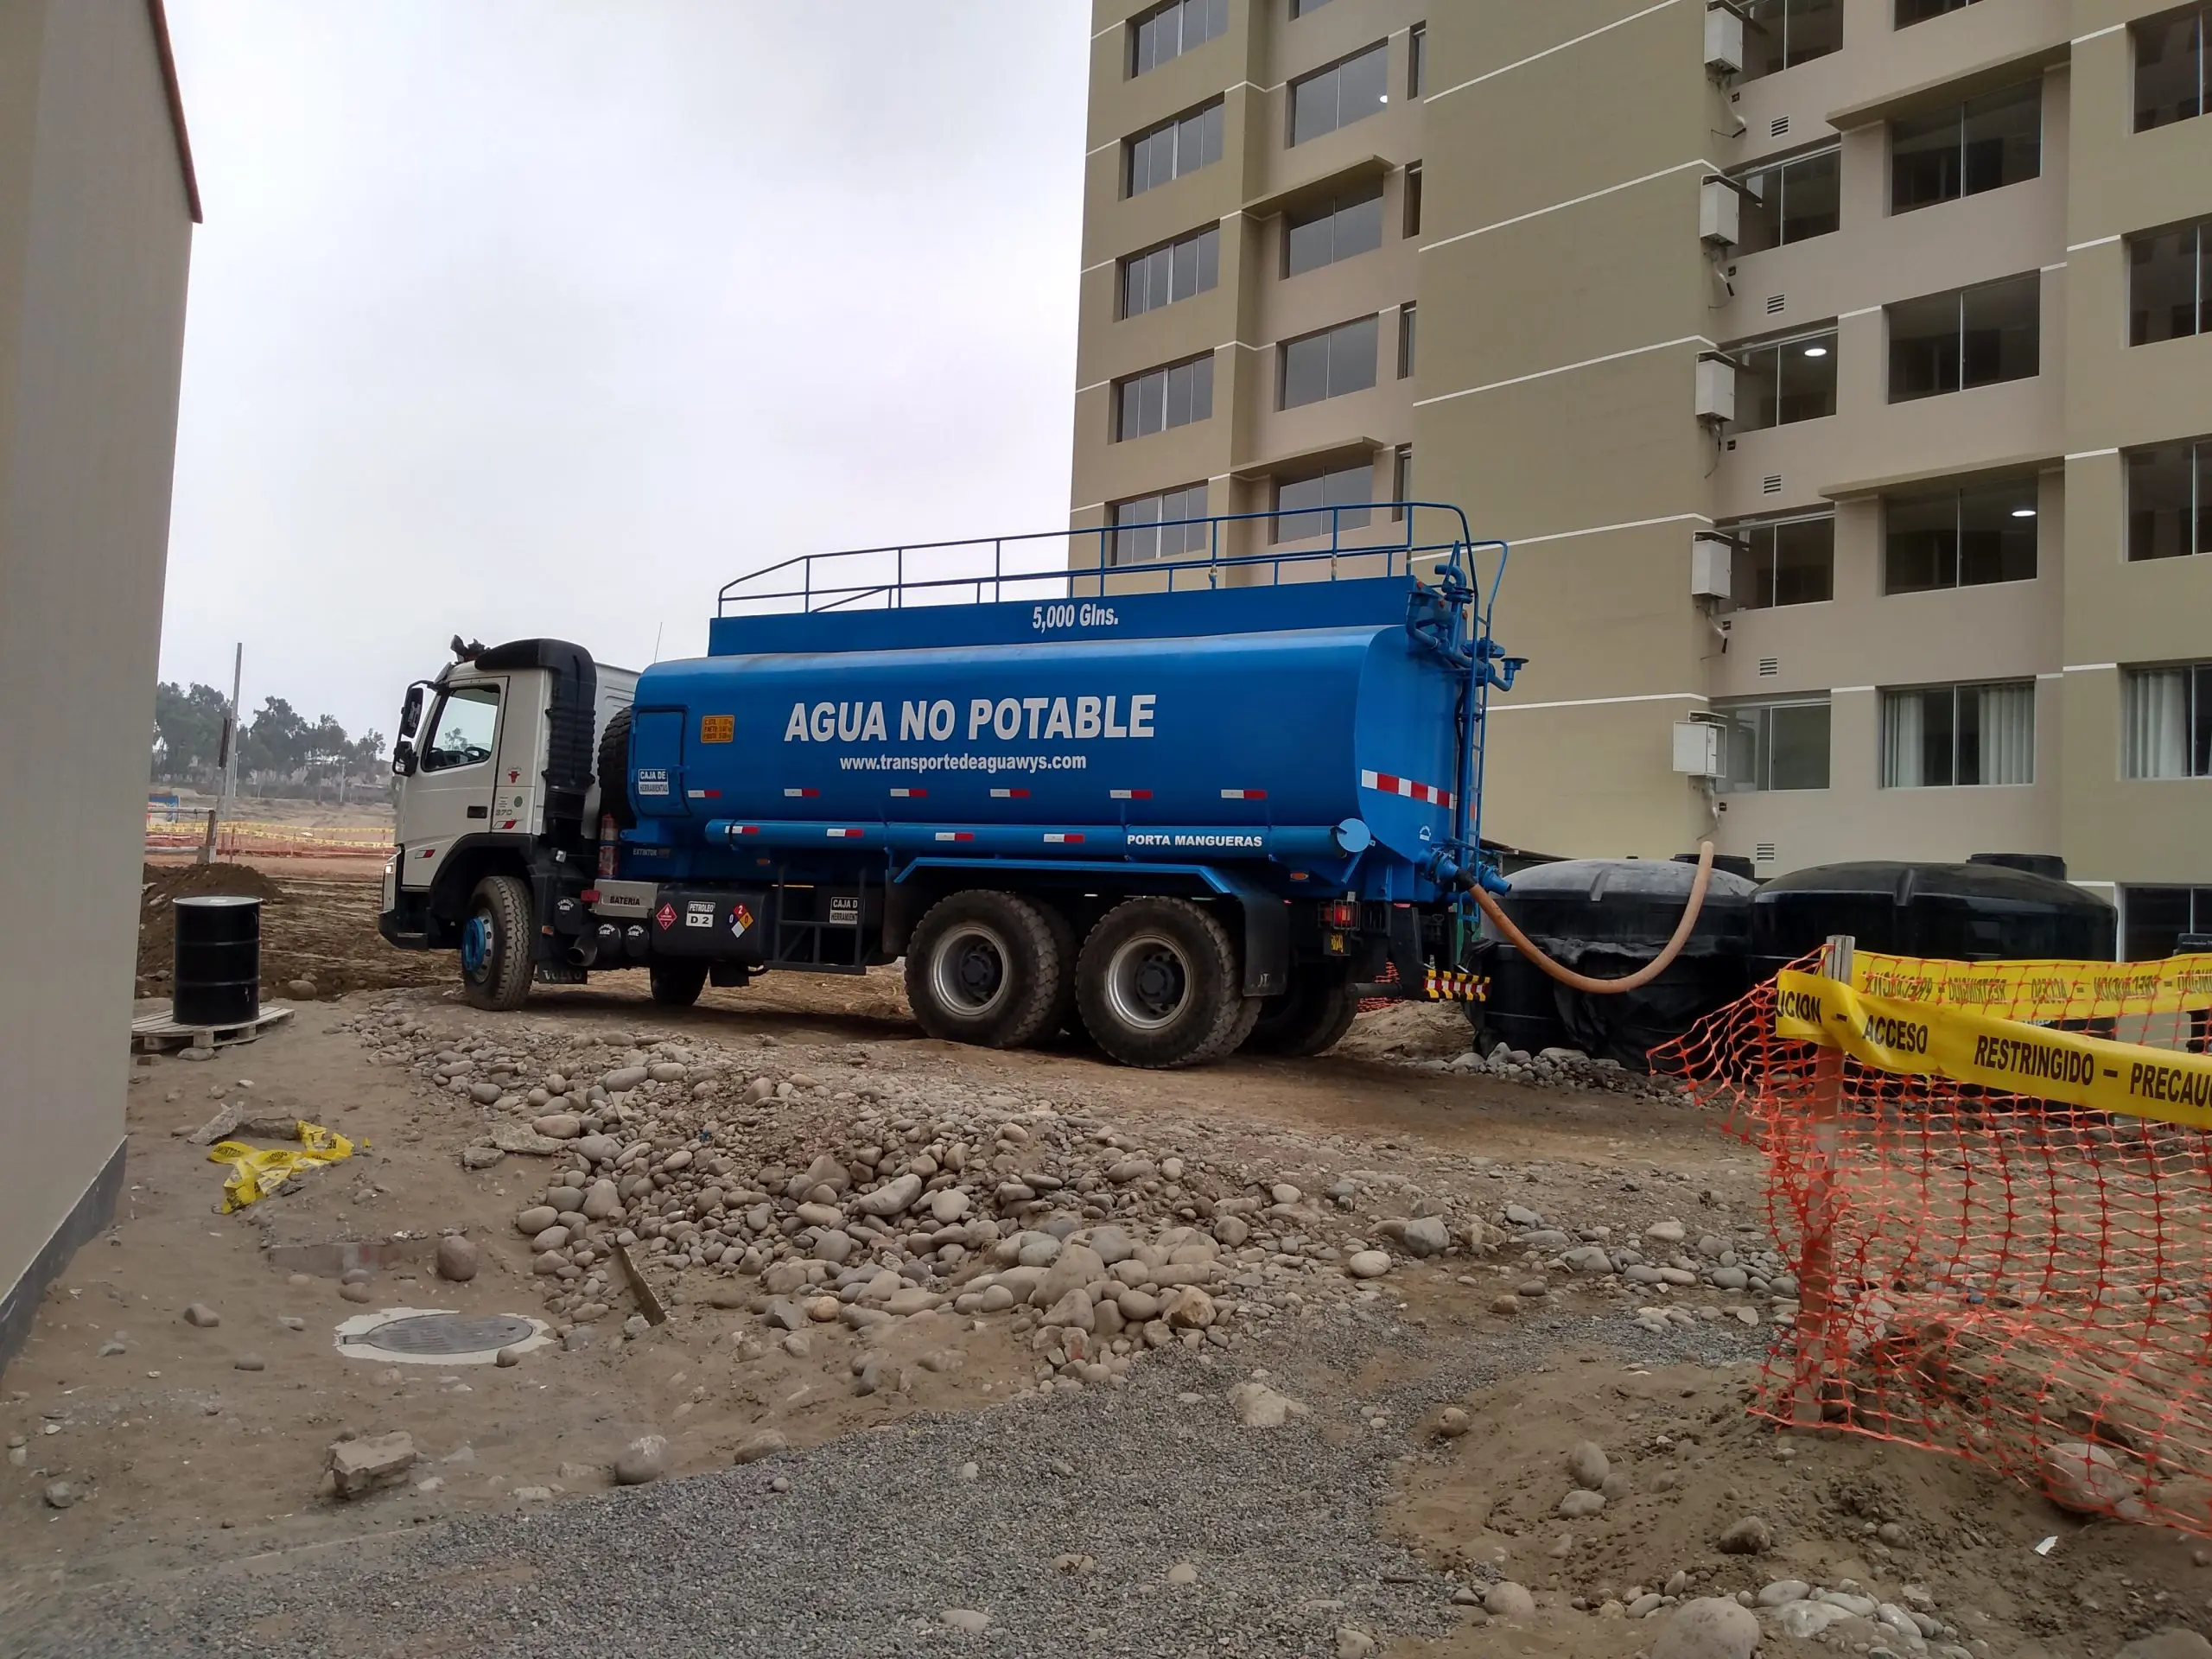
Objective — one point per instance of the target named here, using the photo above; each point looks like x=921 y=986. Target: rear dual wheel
x=1310 y=1017
x=1158 y=985
x=989 y=969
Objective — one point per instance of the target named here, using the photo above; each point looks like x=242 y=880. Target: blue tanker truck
x=1190 y=804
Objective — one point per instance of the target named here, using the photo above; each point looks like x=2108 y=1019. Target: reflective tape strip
x=1009 y=794
x=744 y=829
x=909 y=794
x=1057 y=838
x=1128 y=794
x=800 y=794
x=1389 y=784
x=1455 y=985
x=704 y=794
x=846 y=835
x=1244 y=794
x=955 y=834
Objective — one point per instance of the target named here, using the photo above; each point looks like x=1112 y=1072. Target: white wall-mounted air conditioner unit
x=1724 y=41
x=1712 y=565
x=1697 y=748
x=1716 y=387
x=1719 y=213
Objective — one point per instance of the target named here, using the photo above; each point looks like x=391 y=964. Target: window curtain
x=1902 y=727
x=2008 y=733
x=2157 y=723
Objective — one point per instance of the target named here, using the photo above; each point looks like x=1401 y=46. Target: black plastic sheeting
x=1608 y=918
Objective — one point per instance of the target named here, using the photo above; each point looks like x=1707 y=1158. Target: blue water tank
x=1178 y=736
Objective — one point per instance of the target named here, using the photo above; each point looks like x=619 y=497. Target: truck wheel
x=983 y=968
x=678 y=984
x=495 y=943
x=1158 y=985
x=1062 y=1019
x=1310 y=1018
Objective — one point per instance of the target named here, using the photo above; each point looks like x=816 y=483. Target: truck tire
x=984 y=968
x=614 y=774
x=678 y=984
x=1062 y=1019
x=496 y=941
x=1310 y=1018
x=1158 y=985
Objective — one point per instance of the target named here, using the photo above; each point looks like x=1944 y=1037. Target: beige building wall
x=96 y=215
x=1564 y=299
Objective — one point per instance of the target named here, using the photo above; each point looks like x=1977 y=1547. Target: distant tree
x=188 y=731
x=277 y=741
x=367 y=756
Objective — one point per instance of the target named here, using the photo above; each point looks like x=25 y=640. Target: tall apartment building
x=1840 y=371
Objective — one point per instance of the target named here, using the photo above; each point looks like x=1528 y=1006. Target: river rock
x=893 y=1198
x=1506 y=1600
x=1190 y=1309
x=623 y=1079
x=359 y=1466
x=536 y=1219
x=202 y=1315
x=1425 y=1236
x=1580 y=1505
x=1749 y=1536
x=644 y=1460
x=1367 y=1264
x=602 y=1201
x=1076 y=1266
x=2088 y=1480
x=456 y=1259
x=599 y=1148
x=1258 y=1406
x=763 y=1443
x=1587 y=1464
x=558 y=1126
x=1708 y=1628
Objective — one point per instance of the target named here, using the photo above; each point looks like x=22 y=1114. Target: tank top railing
x=1132 y=556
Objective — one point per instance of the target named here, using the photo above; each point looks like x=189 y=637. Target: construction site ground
x=1347 y=1467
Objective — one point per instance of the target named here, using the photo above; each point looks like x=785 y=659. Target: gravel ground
x=880 y=1533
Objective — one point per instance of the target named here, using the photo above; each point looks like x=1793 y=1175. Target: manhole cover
x=447 y=1334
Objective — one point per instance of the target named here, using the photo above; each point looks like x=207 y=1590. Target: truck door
x=451 y=793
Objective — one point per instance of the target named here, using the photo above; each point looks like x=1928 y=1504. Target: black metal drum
x=218 y=960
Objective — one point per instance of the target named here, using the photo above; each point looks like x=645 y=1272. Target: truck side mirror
x=403 y=757
x=410 y=712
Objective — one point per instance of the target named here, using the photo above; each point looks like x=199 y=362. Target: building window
x=1786 y=33
x=1416 y=59
x=1164 y=399
x=1341 y=94
x=1330 y=364
x=1787 y=562
x=2166 y=721
x=1944 y=736
x=2169 y=73
x=1787 y=381
x=2170 y=283
x=1188 y=265
x=1413 y=198
x=1168 y=31
x=1146 y=530
x=1338 y=229
x=1920 y=11
x=1301 y=8
x=1771 y=745
x=1402 y=473
x=2170 y=501
x=1174 y=148
x=1984 y=144
x=1792 y=201
x=1324 y=503
x=1974 y=337
x=2158 y=919
x=1407 y=314
x=1959 y=538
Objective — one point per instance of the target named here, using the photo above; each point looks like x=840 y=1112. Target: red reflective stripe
x=845 y=834
x=955 y=834
x=1057 y=838
x=909 y=794
x=801 y=794
x=1009 y=794
x=1244 y=794
x=1128 y=794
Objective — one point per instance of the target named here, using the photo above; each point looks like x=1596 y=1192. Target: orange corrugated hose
x=1643 y=975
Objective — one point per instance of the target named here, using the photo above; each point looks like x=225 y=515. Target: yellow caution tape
x=258 y=1171
x=1929 y=1040
x=2041 y=991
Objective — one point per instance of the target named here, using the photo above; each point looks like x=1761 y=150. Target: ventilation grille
x=1764 y=852
x=1777 y=304
x=1769 y=667
x=1779 y=127
x=1773 y=484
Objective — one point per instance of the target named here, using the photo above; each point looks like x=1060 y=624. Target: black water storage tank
x=1607 y=917
x=218 y=960
x=1980 y=911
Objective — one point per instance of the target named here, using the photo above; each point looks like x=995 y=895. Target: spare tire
x=614 y=773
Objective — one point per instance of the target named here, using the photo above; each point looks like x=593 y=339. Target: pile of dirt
x=320 y=928
x=1436 y=1031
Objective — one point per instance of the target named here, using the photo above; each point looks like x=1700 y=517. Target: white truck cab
x=498 y=813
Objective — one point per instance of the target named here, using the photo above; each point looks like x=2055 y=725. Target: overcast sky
x=530 y=318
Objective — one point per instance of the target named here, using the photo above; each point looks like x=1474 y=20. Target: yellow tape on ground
x=256 y=1172
x=2040 y=991
x=1923 y=1040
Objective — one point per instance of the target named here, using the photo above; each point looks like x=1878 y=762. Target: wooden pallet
x=158 y=1033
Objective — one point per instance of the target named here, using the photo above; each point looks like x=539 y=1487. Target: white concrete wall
x=95 y=240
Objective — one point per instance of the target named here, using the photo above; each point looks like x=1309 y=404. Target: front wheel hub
x=476 y=946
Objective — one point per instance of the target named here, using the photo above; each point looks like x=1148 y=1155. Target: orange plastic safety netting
x=2023 y=1275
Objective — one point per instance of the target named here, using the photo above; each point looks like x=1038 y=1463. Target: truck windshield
x=466 y=722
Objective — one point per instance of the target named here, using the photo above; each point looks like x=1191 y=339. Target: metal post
x=227 y=787
x=1823 y=1351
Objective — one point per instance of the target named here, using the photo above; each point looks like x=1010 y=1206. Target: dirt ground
x=189 y=1446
